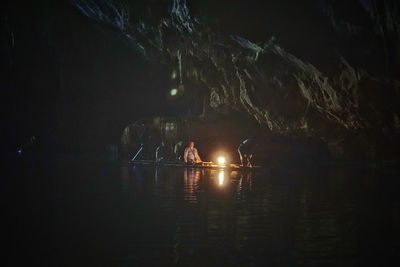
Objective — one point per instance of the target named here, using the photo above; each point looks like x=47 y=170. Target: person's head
x=191 y=144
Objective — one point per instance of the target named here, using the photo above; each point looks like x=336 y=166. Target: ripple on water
x=214 y=218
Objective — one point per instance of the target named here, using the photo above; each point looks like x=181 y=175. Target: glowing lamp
x=173 y=92
x=221 y=160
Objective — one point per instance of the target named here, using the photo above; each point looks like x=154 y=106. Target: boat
x=202 y=165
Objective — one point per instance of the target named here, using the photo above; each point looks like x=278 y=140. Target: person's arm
x=197 y=157
x=185 y=154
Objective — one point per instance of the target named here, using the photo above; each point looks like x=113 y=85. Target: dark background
x=75 y=83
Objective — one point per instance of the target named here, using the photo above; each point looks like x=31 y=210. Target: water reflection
x=256 y=220
x=221 y=177
x=191 y=184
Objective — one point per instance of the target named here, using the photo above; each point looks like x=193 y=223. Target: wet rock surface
x=332 y=95
x=325 y=71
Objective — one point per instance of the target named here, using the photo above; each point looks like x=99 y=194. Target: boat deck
x=203 y=165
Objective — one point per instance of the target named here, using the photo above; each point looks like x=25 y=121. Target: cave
x=315 y=83
x=326 y=73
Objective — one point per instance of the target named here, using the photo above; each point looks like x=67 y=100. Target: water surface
x=81 y=212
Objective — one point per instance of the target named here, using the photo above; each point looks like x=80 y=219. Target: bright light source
x=173 y=92
x=221 y=160
x=221 y=177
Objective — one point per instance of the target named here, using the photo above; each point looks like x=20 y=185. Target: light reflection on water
x=221 y=177
x=224 y=218
x=88 y=213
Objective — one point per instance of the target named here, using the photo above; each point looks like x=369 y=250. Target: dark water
x=87 y=213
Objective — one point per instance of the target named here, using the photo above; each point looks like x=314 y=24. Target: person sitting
x=164 y=152
x=246 y=151
x=178 y=151
x=191 y=155
x=161 y=152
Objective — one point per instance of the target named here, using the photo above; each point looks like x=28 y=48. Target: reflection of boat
x=203 y=165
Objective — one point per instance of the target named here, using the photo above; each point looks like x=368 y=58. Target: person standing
x=246 y=151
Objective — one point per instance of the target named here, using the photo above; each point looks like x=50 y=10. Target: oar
x=140 y=150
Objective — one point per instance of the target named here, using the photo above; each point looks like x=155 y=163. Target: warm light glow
x=221 y=160
x=173 y=92
x=221 y=178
